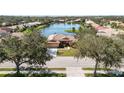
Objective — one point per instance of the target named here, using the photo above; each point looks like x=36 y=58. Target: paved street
x=60 y=62
x=72 y=65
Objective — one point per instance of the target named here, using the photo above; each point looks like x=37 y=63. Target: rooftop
x=60 y=37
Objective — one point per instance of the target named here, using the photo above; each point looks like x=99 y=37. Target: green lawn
x=35 y=69
x=97 y=69
x=41 y=27
x=104 y=75
x=34 y=75
x=71 y=31
x=29 y=30
x=98 y=75
x=70 y=52
x=57 y=68
x=7 y=69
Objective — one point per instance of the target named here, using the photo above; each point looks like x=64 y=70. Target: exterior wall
x=53 y=44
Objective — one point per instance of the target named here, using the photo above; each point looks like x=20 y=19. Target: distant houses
x=31 y=24
x=104 y=31
x=60 y=40
x=4 y=31
x=24 y=25
x=19 y=35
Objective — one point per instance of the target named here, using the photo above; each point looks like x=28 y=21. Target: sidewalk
x=74 y=72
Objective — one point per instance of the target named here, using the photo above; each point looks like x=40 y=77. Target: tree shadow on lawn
x=35 y=72
x=109 y=74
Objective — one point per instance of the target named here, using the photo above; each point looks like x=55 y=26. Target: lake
x=59 y=28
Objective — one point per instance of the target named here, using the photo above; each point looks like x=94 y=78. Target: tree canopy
x=103 y=50
x=31 y=49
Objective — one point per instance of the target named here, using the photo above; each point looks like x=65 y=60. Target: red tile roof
x=101 y=28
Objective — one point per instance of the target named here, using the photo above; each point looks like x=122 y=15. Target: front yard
x=66 y=52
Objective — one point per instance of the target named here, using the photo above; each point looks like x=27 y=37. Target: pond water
x=59 y=29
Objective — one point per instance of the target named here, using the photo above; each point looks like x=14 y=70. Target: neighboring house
x=101 y=30
x=61 y=20
x=22 y=26
x=18 y=34
x=4 y=31
x=32 y=24
x=7 y=29
x=105 y=31
x=77 y=20
x=60 y=40
x=53 y=44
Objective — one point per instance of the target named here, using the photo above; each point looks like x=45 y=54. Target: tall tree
x=30 y=50
x=104 y=50
x=37 y=48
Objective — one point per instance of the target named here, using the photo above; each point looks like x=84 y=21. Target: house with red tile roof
x=4 y=31
x=101 y=30
x=60 y=40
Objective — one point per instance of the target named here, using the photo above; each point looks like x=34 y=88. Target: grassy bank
x=38 y=28
x=72 y=31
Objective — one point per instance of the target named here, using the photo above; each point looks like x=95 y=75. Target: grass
x=71 y=31
x=97 y=69
x=34 y=75
x=103 y=75
x=29 y=30
x=36 y=69
x=40 y=27
x=7 y=69
x=57 y=68
x=70 y=52
x=98 y=75
x=49 y=75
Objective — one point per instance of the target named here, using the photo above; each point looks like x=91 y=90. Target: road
x=59 y=62
x=72 y=65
